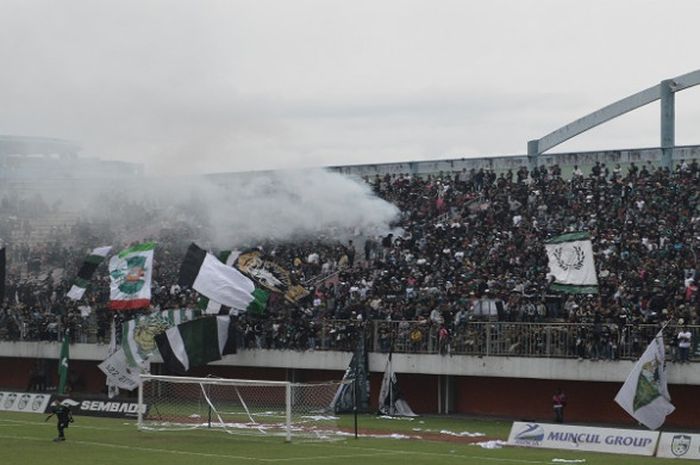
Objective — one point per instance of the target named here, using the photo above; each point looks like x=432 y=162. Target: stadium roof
x=26 y=145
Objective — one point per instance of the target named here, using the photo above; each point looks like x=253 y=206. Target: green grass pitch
x=25 y=439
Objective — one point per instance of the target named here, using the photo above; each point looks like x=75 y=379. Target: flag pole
x=356 y=357
x=391 y=377
x=663 y=327
x=665 y=324
x=354 y=403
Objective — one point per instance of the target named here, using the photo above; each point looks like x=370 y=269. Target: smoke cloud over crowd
x=232 y=210
x=287 y=205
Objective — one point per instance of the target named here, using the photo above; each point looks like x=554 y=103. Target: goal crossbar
x=221 y=381
x=236 y=406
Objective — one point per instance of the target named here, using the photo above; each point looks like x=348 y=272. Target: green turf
x=27 y=439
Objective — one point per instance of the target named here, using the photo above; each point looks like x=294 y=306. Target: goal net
x=238 y=406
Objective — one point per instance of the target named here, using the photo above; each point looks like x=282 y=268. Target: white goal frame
x=286 y=425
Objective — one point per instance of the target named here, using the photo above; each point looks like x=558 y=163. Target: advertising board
x=584 y=438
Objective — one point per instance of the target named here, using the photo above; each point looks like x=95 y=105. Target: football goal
x=238 y=406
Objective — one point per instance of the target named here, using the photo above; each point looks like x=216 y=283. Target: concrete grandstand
x=473 y=234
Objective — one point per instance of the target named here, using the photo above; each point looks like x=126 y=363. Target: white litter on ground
x=495 y=444
x=462 y=434
x=568 y=460
x=319 y=417
x=387 y=417
x=378 y=436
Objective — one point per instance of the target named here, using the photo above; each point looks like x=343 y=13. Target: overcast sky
x=212 y=86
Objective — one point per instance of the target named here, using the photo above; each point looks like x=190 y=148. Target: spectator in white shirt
x=684 y=337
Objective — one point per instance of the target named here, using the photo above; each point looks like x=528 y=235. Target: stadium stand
x=465 y=273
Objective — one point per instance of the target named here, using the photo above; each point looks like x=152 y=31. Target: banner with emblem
x=24 y=401
x=571 y=263
x=138 y=334
x=270 y=275
x=130 y=272
x=679 y=446
x=644 y=395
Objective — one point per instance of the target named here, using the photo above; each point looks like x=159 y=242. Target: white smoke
x=239 y=209
x=286 y=205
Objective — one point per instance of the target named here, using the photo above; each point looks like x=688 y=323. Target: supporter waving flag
x=204 y=273
x=131 y=272
x=644 y=395
x=269 y=274
x=228 y=258
x=92 y=261
x=138 y=334
x=571 y=263
x=195 y=343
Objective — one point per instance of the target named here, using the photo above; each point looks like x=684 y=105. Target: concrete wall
x=425 y=364
x=588 y=402
x=501 y=393
x=504 y=163
x=517 y=388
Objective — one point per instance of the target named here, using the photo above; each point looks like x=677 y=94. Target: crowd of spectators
x=467 y=250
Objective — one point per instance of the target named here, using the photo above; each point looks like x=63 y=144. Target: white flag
x=205 y=273
x=645 y=392
x=119 y=373
x=571 y=263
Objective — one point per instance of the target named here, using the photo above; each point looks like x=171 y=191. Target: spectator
x=684 y=339
x=558 y=404
x=459 y=253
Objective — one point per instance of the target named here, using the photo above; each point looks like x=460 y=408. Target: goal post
x=239 y=406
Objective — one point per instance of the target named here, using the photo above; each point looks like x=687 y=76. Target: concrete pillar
x=533 y=147
x=668 y=123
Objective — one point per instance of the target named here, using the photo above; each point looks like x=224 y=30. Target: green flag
x=645 y=392
x=63 y=366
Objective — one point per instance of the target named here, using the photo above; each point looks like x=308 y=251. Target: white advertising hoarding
x=584 y=438
x=679 y=446
x=23 y=401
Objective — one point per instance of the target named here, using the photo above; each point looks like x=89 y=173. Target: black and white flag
x=391 y=401
x=92 y=261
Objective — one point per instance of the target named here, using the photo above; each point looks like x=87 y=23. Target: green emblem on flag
x=131 y=275
x=145 y=333
x=647 y=385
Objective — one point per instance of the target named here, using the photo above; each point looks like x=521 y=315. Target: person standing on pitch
x=559 y=402
x=64 y=416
